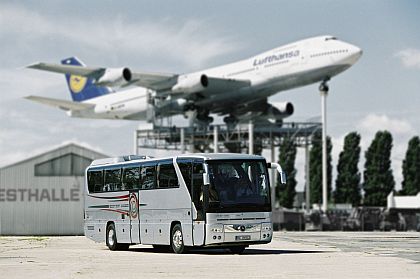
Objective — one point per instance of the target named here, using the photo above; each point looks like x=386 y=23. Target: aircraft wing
x=220 y=85
x=69 y=69
x=162 y=83
x=155 y=81
x=62 y=104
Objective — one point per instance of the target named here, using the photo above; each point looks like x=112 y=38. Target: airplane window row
x=240 y=72
x=330 y=52
x=275 y=64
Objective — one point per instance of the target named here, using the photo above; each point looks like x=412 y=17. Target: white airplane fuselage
x=297 y=64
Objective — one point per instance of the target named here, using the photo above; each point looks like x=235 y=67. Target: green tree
x=411 y=168
x=286 y=192
x=348 y=175
x=315 y=168
x=377 y=176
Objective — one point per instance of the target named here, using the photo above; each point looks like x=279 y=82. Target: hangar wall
x=43 y=195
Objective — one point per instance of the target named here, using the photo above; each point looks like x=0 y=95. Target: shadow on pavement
x=223 y=251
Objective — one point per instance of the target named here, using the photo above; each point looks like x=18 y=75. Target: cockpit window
x=330 y=38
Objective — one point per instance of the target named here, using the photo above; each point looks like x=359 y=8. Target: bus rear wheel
x=177 y=239
x=111 y=239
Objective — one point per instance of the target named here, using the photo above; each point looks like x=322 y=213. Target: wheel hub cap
x=177 y=239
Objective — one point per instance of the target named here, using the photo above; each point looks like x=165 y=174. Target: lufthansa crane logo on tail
x=77 y=83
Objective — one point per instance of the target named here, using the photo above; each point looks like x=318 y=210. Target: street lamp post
x=323 y=90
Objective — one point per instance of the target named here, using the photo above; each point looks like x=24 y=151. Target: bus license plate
x=243 y=237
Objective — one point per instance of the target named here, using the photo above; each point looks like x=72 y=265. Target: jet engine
x=278 y=111
x=190 y=84
x=114 y=77
x=274 y=113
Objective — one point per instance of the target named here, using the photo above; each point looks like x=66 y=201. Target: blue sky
x=380 y=92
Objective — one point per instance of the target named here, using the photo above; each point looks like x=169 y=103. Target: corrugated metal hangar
x=43 y=195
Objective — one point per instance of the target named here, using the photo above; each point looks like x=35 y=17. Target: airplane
x=238 y=91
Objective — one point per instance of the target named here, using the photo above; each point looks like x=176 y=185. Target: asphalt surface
x=289 y=255
x=395 y=244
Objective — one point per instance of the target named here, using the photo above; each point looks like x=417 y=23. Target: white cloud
x=374 y=122
x=190 y=42
x=401 y=130
x=409 y=57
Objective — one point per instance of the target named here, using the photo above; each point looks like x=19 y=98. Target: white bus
x=219 y=200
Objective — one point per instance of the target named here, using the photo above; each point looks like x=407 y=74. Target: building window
x=66 y=165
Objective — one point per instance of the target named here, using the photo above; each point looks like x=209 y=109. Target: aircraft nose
x=354 y=54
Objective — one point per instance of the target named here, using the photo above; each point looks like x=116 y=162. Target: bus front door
x=134 y=217
x=199 y=224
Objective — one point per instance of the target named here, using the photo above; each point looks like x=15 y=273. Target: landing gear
x=198 y=117
x=231 y=121
x=323 y=87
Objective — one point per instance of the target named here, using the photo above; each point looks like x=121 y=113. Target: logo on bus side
x=134 y=206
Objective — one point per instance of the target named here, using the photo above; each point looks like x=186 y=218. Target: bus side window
x=112 y=180
x=131 y=178
x=95 y=181
x=167 y=177
x=186 y=171
x=148 y=177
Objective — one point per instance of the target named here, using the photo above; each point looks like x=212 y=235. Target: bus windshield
x=238 y=185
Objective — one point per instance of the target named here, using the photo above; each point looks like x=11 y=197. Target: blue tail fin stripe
x=82 y=88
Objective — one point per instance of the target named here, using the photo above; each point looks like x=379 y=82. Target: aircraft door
x=134 y=216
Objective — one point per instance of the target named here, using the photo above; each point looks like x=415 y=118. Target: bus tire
x=111 y=239
x=177 y=239
x=237 y=249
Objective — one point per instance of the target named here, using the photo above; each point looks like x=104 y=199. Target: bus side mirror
x=279 y=170
x=283 y=177
x=206 y=179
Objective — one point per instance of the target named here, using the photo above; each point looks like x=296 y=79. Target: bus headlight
x=266 y=227
x=217 y=229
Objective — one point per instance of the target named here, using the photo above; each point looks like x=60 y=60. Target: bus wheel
x=177 y=239
x=111 y=239
x=237 y=249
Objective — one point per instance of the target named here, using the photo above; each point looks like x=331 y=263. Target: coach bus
x=204 y=200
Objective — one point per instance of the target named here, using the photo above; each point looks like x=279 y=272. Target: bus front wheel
x=111 y=239
x=177 y=239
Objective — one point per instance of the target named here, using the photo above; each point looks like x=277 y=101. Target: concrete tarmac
x=289 y=255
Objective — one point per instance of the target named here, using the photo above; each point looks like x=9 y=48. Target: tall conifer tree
x=411 y=168
x=347 y=184
x=286 y=192
x=315 y=168
x=378 y=178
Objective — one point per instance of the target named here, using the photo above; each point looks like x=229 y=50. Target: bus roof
x=205 y=156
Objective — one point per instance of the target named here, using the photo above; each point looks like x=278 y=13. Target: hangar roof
x=58 y=149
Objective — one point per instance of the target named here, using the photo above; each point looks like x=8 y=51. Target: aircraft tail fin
x=82 y=88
